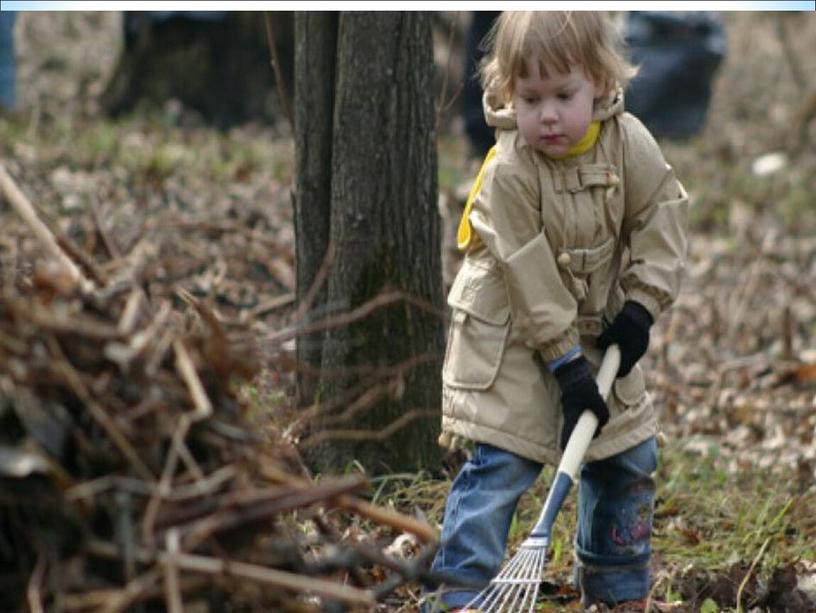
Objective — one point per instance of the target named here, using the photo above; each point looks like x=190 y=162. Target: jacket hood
x=503 y=117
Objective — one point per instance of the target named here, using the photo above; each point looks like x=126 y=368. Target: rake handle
x=576 y=448
x=584 y=430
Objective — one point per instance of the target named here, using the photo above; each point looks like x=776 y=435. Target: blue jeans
x=613 y=540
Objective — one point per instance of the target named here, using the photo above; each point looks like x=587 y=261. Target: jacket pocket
x=480 y=326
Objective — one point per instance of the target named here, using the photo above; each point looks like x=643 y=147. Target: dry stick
x=278 y=578
x=344 y=319
x=23 y=206
x=199 y=530
x=33 y=596
x=127 y=321
x=212 y=483
x=131 y=593
x=750 y=572
x=77 y=324
x=74 y=381
x=398 y=521
x=171 y=578
x=368 y=435
x=363 y=402
x=152 y=508
x=188 y=374
x=269 y=305
x=178 y=448
x=317 y=284
x=107 y=240
x=275 y=61
x=122 y=354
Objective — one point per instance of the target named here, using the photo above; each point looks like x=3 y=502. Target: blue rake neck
x=559 y=490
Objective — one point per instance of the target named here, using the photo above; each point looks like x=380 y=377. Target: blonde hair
x=558 y=39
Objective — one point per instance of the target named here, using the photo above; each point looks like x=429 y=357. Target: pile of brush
x=132 y=475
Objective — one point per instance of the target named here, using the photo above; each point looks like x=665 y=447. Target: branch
x=276 y=66
x=278 y=578
x=24 y=208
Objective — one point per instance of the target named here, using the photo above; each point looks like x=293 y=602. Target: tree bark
x=385 y=232
x=315 y=45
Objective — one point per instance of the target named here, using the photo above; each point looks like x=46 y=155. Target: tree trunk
x=315 y=44
x=384 y=228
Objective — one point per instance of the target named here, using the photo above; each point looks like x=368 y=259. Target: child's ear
x=600 y=91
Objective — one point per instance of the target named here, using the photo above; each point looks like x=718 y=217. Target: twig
x=122 y=354
x=110 y=245
x=368 y=435
x=276 y=66
x=211 y=483
x=747 y=576
x=170 y=463
x=52 y=321
x=281 y=502
x=344 y=319
x=393 y=519
x=24 y=208
x=132 y=592
x=317 y=284
x=33 y=596
x=171 y=579
x=268 y=305
x=398 y=521
x=188 y=374
x=127 y=321
x=74 y=381
x=278 y=578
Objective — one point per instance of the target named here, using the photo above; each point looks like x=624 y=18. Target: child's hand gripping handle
x=574 y=453
x=585 y=428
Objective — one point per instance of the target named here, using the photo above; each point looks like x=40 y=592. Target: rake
x=515 y=588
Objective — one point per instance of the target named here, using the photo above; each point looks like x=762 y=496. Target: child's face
x=554 y=111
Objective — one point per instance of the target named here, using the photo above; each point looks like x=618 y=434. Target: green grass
x=706 y=517
x=720 y=518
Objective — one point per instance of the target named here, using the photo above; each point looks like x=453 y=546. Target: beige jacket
x=562 y=244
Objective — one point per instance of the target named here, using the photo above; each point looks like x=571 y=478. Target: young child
x=575 y=238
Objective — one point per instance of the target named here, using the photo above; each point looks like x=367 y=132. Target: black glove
x=579 y=392
x=630 y=332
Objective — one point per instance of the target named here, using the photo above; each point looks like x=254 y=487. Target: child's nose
x=548 y=114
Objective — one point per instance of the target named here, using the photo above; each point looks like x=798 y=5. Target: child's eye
x=565 y=96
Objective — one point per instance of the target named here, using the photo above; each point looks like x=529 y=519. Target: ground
x=732 y=367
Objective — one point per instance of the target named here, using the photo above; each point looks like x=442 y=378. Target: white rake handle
x=585 y=428
x=575 y=451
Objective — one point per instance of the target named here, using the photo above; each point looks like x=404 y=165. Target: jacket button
x=564 y=260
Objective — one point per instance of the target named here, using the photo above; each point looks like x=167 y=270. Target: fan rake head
x=515 y=588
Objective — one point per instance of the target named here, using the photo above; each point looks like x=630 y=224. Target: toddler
x=574 y=237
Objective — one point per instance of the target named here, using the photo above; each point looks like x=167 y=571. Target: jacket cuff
x=646 y=300
x=560 y=346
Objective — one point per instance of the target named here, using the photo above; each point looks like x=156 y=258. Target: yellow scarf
x=465 y=236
